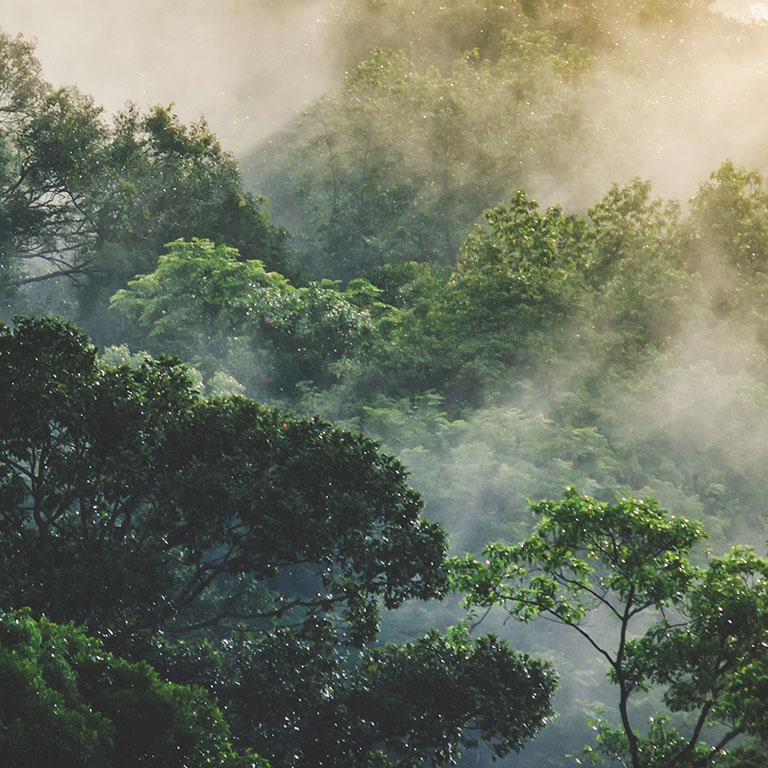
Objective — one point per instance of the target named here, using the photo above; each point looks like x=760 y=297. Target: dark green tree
x=239 y=548
x=108 y=469
x=160 y=180
x=642 y=276
x=64 y=701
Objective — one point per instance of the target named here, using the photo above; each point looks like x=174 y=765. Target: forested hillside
x=485 y=252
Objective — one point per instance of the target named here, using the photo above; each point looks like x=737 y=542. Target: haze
x=246 y=65
x=249 y=66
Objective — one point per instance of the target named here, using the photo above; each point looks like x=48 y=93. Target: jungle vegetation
x=270 y=425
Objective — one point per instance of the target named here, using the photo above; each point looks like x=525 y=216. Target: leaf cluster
x=701 y=639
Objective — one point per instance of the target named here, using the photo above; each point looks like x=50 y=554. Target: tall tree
x=94 y=201
x=697 y=634
x=239 y=548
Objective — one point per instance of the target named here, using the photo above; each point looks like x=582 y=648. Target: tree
x=642 y=273
x=160 y=180
x=67 y=702
x=730 y=239
x=22 y=86
x=730 y=214
x=113 y=468
x=219 y=311
x=358 y=195
x=412 y=704
x=232 y=546
x=517 y=277
x=460 y=332
x=94 y=201
x=49 y=152
x=696 y=633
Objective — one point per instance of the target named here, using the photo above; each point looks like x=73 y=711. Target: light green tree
x=220 y=312
x=696 y=633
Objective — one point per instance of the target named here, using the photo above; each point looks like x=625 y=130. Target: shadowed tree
x=239 y=548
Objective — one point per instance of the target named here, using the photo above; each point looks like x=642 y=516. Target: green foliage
x=477 y=473
x=67 y=702
x=199 y=296
x=729 y=216
x=48 y=151
x=729 y=211
x=485 y=98
x=479 y=677
x=208 y=305
x=95 y=202
x=20 y=76
x=237 y=548
x=623 y=350
x=642 y=272
x=697 y=632
x=414 y=704
x=515 y=280
x=99 y=462
x=358 y=195
x=459 y=332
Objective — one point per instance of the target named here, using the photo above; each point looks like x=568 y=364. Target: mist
x=668 y=106
x=246 y=66
x=688 y=99
x=669 y=109
x=251 y=67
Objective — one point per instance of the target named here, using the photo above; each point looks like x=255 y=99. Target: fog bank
x=246 y=65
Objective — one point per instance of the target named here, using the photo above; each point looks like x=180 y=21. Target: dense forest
x=347 y=451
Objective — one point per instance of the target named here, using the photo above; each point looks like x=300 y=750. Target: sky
x=247 y=65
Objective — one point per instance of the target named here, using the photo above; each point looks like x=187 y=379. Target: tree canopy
x=220 y=311
x=697 y=632
x=67 y=702
x=266 y=570
x=94 y=200
x=238 y=547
